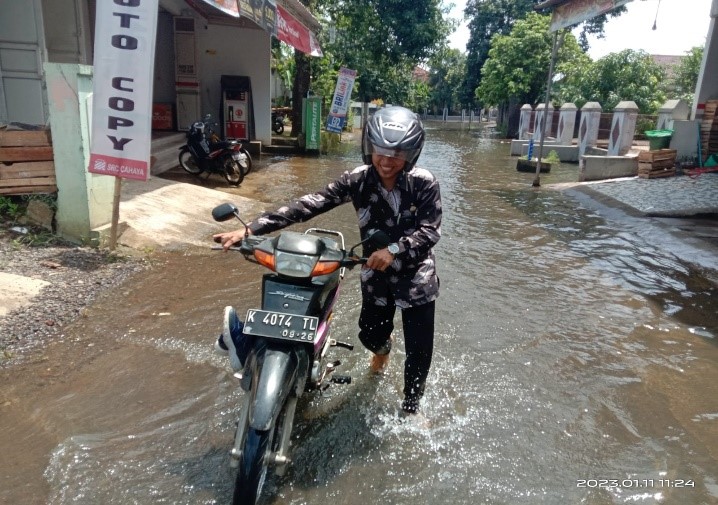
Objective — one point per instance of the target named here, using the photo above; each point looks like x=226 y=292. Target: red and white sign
x=125 y=33
x=294 y=33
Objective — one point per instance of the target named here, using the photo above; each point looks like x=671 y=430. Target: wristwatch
x=393 y=248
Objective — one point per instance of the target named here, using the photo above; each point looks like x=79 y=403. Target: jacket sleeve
x=304 y=208
x=428 y=214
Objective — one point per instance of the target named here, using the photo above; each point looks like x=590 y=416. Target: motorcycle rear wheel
x=253 y=466
x=233 y=172
x=188 y=163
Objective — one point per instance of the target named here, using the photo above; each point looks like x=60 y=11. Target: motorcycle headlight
x=294 y=265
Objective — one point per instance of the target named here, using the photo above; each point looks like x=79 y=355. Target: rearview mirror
x=224 y=212
x=378 y=237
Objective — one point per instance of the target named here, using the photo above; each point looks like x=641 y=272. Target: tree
x=488 y=18
x=626 y=75
x=447 y=70
x=518 y=63
x=283 y=64
x=686 y=77
x=302 y=73
x=383 y=40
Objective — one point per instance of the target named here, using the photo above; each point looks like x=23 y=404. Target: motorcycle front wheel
x=233 y=172
x=252 y=467
x=245 y=161
x=278 y=128
x=188 y=163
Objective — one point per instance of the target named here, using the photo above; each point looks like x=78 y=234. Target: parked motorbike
x=277 y=123
x=282 y=349
x=206 y=152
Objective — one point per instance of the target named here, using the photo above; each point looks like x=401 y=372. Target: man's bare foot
x=379 y=362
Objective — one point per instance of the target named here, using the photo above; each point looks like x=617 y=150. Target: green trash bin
x=659 y=139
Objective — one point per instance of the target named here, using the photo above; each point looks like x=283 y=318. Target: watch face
x=393 y=248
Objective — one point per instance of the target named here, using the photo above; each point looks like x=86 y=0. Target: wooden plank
x=34 y=181
x=660 y=165
x=20 y=138
x=657 y=155
x=21 y=174
x=29 y=169
x=28 y=190
x=26 y=153
x=655 y=175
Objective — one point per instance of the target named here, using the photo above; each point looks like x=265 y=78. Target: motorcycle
x=277 y=123
x=282 y=349
x=206 y=152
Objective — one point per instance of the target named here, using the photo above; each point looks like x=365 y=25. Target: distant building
x=669 y=63
x=420 y=74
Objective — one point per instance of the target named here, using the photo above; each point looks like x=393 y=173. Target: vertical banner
x=125 y=32
x=312 y=122
x=340 y=103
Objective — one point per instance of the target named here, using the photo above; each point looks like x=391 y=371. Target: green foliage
x=448 y=68
x=518 y=63
x=37 y=237
x=626 y=75
x=488 y=18
x=13 y=207
x=10 y=208
x=283 y=65
x=686 y=77
x=419 y=96
x=383 y=40
x=644 y=124
x=552 y=157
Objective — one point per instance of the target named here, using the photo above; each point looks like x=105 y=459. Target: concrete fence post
x=672 y=110
x=588 y=128
x=525 y=121
x=566 y=124
x=541 y=113
x=623 y=127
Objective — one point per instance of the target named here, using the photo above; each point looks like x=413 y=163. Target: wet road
x=575 y=363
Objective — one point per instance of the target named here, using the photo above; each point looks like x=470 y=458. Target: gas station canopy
x=567 y=13
x=288 y=20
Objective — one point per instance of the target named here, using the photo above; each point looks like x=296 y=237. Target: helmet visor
x=391 y=153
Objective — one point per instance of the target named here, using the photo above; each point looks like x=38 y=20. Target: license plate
x=293 y=327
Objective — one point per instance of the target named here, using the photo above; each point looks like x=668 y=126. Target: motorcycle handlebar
x=246 y=249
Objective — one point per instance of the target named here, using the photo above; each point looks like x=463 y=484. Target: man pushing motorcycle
x=390 y=193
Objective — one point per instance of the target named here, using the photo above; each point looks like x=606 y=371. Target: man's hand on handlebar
x=380 y=260
x=229 y=238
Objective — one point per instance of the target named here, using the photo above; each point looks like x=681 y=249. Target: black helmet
x=393 y=131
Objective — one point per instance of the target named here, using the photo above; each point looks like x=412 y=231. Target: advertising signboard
x=122 y=95
x=340 y=103
x=262 y=12
x=294 y=33
x=312 y=122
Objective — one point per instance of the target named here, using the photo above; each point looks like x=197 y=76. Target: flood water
x=576 y=361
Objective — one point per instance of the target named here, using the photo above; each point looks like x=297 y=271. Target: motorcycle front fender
x=280 y=370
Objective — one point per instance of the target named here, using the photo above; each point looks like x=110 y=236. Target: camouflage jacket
x=415 y=226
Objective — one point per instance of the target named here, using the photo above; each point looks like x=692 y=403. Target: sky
x=680 y=25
